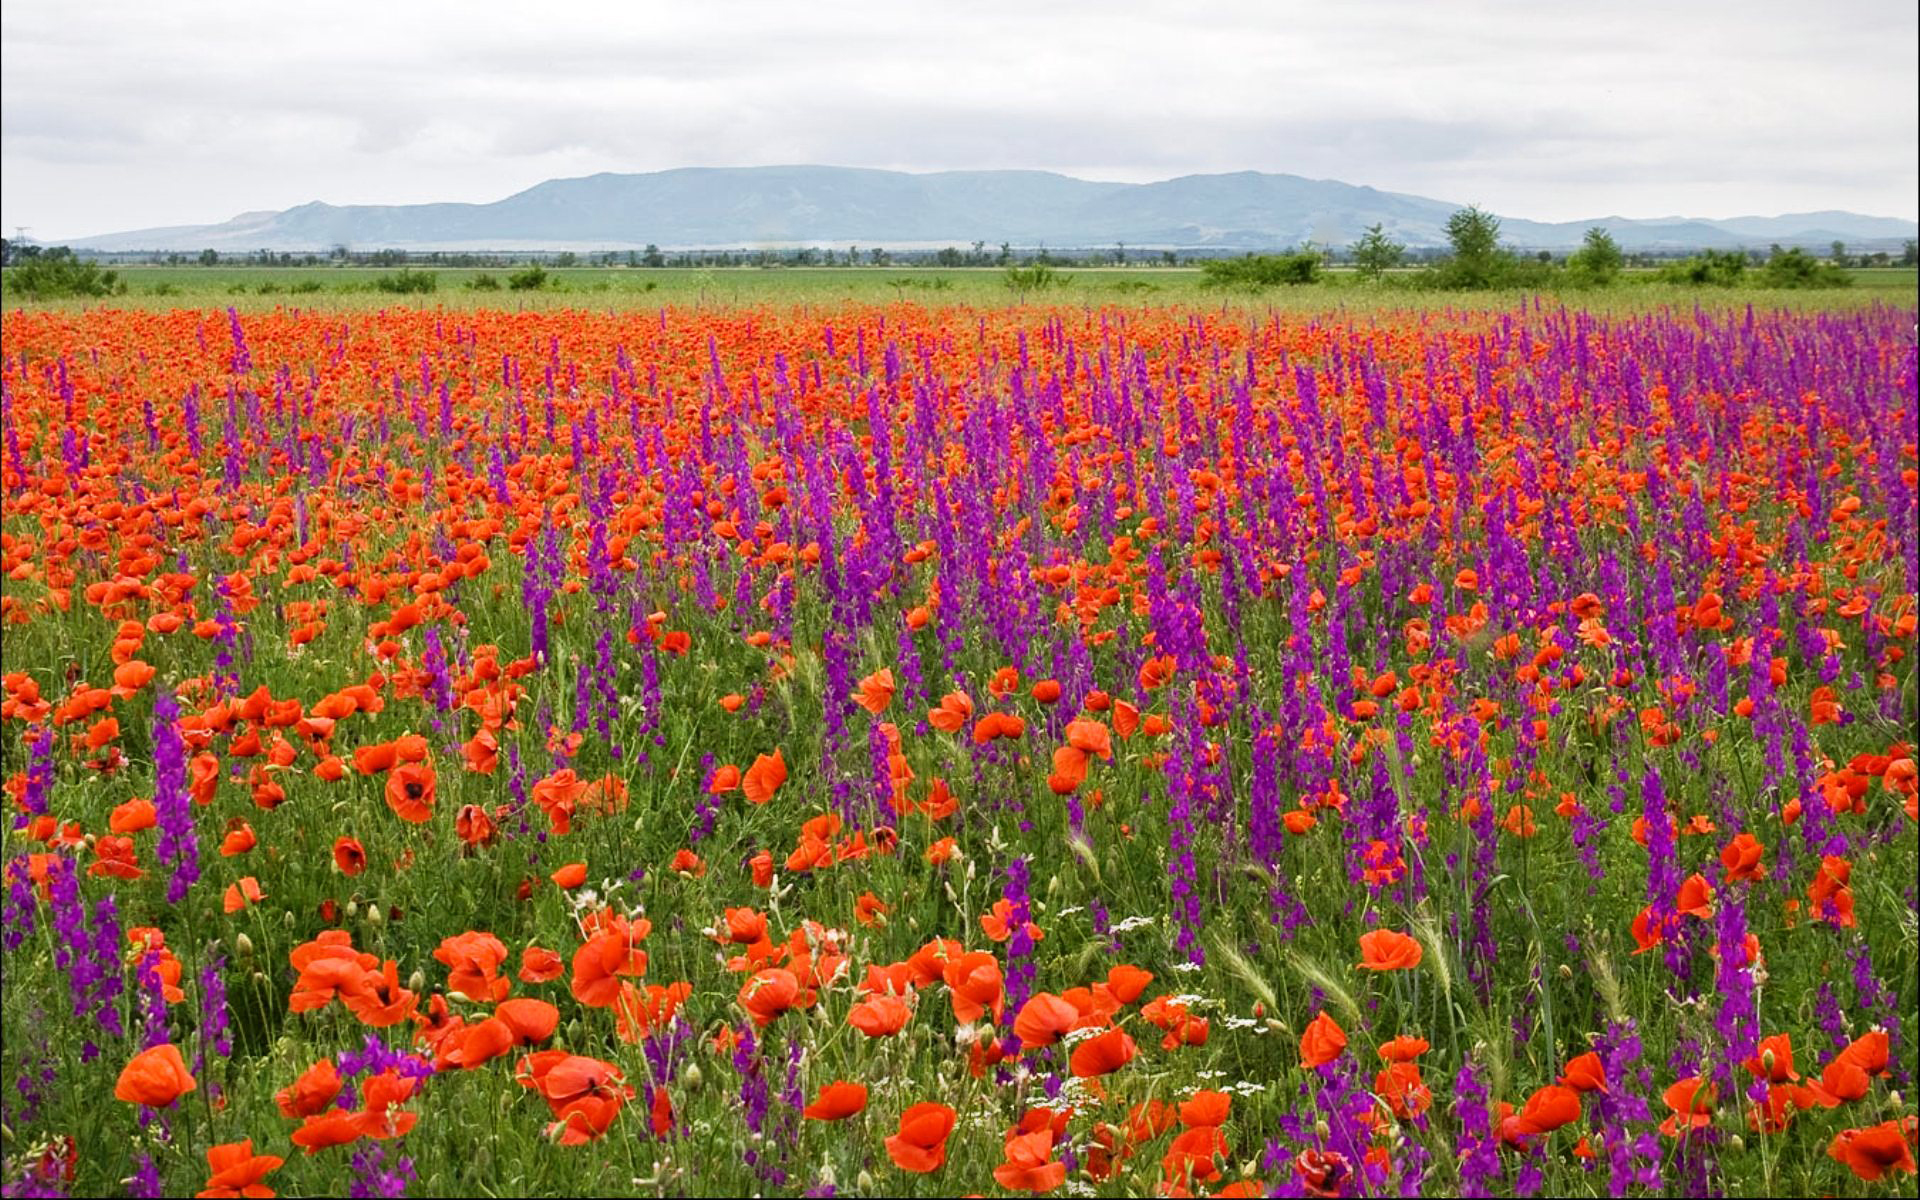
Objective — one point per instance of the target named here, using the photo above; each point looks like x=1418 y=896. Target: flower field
x=898 y=750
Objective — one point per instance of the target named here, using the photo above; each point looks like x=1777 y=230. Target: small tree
x=1376 y=253
x=1598 y=261
x=209 y=258
x=1840 y=258
x=1475 y=237
x=652 y=257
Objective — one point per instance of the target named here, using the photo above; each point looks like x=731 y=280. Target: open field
x=253 y=289
x=783 y=732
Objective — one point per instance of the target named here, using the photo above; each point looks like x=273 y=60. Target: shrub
x=529 y=279
x=1795 y=268
x=307 y=287
x=1709 y=268
x=1598 y=261
x=1036 y=278
x=1262 y=270
x=408 y=282
x=56 y=274
x=483 y=282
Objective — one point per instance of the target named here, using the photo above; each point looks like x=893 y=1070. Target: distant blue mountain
x=734 y=207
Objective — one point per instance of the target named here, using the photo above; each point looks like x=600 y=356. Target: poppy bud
x=1766 y=1061
x=826 y=1174
x=374 y=915
x=862 y=1183
x=556 y=1131
x=258 y=979
x=1321 y=1129
x=692 y=1076
x=353 y=909
x=1738 y=1143
x=417 y=982
x=243 y=946
x=1566 y=972
x=286 y=918
x=1276 y=1026
x=1053 y=886
x=573 y=1032
x=1247 y=1169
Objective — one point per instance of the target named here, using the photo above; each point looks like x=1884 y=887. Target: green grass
x=622 y=288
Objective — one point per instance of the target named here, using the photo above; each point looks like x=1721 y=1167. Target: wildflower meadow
x=886 y=749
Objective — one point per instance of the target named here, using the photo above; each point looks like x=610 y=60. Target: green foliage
x=1376 y=253
x=1598 y=261
x=1795 y=268
x=1477 y=262
x=1709 y=268
x=483 y=282
x=1037 y=278
x=528 y=279
x=57 y=275
x=408 y=282
x=307 y=287
x=1262 y=270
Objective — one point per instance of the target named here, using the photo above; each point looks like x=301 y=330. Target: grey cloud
x=187 y=114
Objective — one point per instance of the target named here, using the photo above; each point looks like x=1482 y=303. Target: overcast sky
x=119 y=115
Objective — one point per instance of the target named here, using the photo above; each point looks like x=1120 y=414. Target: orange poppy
x=409 y=792
x=1872 y=1152
x=154 y=1077
x=876 y=691
x=763 y=779
x=837 y=1101
x=1102 y=1054
x=1385 y=950
x=312 y=1093
x=1322 y=1042
x=920 y=1145
x=1043 y=1020
x=880 y=1015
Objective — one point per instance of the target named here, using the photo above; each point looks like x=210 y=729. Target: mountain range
x=741 y=207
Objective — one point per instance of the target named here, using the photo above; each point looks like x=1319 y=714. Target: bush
x=1796 y=268
x=1598 y=261
x=483 y=282
x=307 y=287
x=56 y=274
x=1709 y=268
x=1262 y=270
x=529 y=279
x=408 y=282
x=1036 y=278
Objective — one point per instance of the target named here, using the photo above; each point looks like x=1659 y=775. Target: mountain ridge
x=800 y=204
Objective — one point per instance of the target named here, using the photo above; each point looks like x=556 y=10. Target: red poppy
x=837 y=1101
x=1102 y=1054
x=1385 y=950
x=235 y=1170
x=154 y=1078
x=920 y=1145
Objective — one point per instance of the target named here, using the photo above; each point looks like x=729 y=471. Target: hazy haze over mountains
x=733 y=207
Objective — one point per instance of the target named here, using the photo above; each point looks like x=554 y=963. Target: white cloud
x=119 y=115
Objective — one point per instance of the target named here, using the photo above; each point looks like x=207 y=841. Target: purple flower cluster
x=178 y=846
